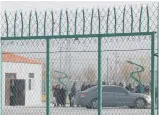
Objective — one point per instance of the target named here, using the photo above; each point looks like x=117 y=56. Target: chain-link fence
x=89 y=61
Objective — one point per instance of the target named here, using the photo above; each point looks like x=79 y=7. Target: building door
x=8 y=78
x=17 y=96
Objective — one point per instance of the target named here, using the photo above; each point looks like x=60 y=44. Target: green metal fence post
x=45 y=24
x=152 y=75
x=99 y=71
x=76 y=22
x=15 y=20
x=6 y=23
x=83 y=21
x=99 y=78
x=1 y=79
x=91 y=27
x=67 y=22
x=140 y=21
x=148 y=20
x=21 y=14
x=47 y=77
x=115 y=20
x=30 y=23
x=47 y=71
x=37 y=24
x=52 y=14
x=107 y=21
x=123 y=19
x=60 y=22
x=132 y=21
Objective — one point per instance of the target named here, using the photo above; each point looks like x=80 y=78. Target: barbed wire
x=139 y=18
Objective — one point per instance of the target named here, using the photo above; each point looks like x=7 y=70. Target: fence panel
x=73 y=66
x=45 y=53
x=126 y=68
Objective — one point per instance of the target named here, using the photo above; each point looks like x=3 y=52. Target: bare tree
x=145 y=75
x=126 y=70
x=90 y=75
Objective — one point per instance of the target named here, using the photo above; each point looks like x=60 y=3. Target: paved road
x=73 y=111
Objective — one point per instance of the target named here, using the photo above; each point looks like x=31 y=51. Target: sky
x=41 y=6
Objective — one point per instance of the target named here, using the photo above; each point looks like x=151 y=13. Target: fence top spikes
x=78 y=17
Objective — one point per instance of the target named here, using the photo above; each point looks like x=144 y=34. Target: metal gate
x=73 y=51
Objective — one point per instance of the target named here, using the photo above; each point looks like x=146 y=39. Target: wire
x=79 y=51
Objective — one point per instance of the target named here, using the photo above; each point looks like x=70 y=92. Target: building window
x=10 y=75
x=31 y=81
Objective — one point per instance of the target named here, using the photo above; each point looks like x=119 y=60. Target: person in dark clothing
x=53 y=92
x=63 y=96
x=57 y=94
x=83 y=87
x=73 y=89
x=103 y=83
x=72 y=95
x=129 y=87
x=147 y=90
x=121 y=85
x=139 y=90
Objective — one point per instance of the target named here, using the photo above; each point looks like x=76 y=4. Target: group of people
x=129 y=87
x=59 y=93
x=59 y=96
x=84 y=87
x=137 y=89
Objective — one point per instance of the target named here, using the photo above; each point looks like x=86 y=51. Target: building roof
x=10 y=57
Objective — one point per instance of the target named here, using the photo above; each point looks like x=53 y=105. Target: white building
x=21 y=81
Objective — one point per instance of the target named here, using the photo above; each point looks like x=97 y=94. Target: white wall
x=22 y=70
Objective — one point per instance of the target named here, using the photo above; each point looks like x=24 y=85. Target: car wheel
x=94 y=103
x=140 y=103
